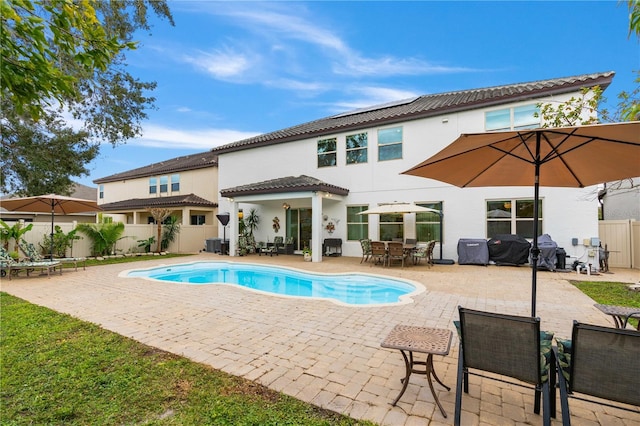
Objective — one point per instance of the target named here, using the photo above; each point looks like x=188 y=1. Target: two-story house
x=314 y=178
x=187 y=186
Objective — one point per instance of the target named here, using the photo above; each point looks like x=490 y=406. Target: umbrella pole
x=535 y=251
x=52 y=214
x=442 y=261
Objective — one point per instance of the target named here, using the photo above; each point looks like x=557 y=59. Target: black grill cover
x=509 y=249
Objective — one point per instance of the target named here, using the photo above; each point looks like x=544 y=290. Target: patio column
x=316 y=227
x=233 y=228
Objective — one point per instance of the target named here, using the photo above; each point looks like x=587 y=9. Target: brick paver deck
x=325 y=353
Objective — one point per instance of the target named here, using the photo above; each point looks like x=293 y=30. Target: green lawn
x=610 y=293
x=55 y=369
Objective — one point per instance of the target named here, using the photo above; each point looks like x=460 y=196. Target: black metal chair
x=508 y=345
x=601 y=362
x=632 y=315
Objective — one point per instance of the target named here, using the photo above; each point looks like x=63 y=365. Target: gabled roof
x=161 y=202
x=188 y=162
x=285 y=184
x=422 y=107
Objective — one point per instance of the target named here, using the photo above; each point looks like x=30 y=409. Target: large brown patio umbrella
x=56 y=204
x=563 y=157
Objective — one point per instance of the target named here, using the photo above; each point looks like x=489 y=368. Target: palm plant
x=104 y=236
x=251 y=222
x=14 y=232
x=159 y=215
x=170 y=231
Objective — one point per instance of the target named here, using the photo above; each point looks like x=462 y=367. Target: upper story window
x=101 y=192
x=357 y=148
x=357 y=224
x=390 y=144
x=512 y=217
x=164 y=184
x=327 y=152
x=153 y=185
x=175 y=183
x=517 y=118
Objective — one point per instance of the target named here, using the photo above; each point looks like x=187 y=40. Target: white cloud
x=165 y=137
x=367 y=96
x=220 y=63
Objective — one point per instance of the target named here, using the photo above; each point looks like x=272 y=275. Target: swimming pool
x=350 y=289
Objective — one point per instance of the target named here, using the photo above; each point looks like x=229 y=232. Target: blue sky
x=231 y=70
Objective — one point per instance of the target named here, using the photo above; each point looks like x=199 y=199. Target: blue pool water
x=351 y=289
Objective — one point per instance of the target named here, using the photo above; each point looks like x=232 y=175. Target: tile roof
x=421 y=107
x=284 y=184
x=162 y=202
x=173 y=165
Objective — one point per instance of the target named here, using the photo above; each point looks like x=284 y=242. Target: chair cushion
x=564 y=357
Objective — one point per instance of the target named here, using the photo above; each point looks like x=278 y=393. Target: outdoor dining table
x=431 y=341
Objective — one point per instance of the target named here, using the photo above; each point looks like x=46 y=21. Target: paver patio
x=325 y=353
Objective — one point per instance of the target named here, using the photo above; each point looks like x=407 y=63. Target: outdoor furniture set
x=514 y=347
x=384 y=252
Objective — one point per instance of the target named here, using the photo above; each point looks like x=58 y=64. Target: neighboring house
x=316 y=177
x=79 y=191
x=186 y=185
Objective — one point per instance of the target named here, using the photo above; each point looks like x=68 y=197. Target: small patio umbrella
x=565 y=157
x=53 y=203
x=398 y=208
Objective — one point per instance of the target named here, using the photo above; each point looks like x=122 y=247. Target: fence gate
x=622 y=238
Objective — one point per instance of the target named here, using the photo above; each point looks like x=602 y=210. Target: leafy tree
x=63 y=55
x=40 y=157
x=251 y=222
x=104 y=236
x=49 y=46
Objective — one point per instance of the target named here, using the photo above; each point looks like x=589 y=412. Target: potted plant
x=306 y=252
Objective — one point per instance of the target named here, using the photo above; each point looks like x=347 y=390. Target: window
x=357 y=148
x=101 y=192
x=428 y=224
x=390 y=144
x=164 y=184
x=327 y=152
x=175 y=183
x=512 y=217
x=357 y=224
x=197 y=219
x=522 y=117
x=391 y=226
x=153 y=185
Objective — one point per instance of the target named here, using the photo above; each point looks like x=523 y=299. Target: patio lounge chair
x=601 y=362
x=33 y=255
x=10 y=267
x=510 y=346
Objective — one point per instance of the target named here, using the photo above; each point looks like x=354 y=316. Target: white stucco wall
x=567 y=213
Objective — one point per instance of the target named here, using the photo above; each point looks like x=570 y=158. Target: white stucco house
x=315 y=177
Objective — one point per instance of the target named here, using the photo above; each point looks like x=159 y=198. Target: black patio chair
x=601 y=362
x=508 y=345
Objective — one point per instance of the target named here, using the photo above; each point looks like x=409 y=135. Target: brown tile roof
x=188 y=162
x=421 y=107
x=285 y=184
x=162 y=202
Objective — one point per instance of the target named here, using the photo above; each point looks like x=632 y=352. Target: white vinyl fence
x=190 y=239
